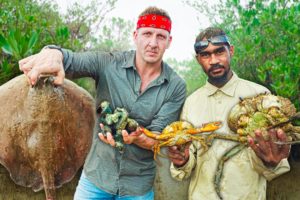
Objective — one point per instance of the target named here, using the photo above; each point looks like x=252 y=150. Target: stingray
x=45 y=132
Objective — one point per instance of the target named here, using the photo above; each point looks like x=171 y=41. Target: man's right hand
x=47 y=61
x=107 y=138
x=178 y=156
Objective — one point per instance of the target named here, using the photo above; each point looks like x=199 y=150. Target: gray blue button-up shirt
x=117 y=81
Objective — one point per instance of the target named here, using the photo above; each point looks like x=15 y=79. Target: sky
x=185 y=26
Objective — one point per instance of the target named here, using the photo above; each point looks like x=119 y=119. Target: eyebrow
x=214 y=51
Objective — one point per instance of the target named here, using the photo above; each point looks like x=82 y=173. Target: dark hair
x=155 y=10
x=210 y=32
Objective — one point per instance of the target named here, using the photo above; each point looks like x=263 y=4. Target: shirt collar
x=165 y=74
x=228 y=89
x=129 y=62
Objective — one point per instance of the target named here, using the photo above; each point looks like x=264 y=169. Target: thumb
x=126 y=138
x=33 y=76
x=59 y=79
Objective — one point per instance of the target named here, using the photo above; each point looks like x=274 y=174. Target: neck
x=147 y=72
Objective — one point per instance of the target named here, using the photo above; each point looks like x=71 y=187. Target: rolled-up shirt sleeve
x=268 y=172
x=170 y=110
x=184 y=172
x=85 y=64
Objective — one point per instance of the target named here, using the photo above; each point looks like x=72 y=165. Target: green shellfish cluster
x=263 y=112
x=115 y=121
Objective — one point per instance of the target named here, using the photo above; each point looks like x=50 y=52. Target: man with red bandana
x=244 y=176
x=138 y=81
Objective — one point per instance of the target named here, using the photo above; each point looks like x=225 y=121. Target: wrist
x=51 y=46
x=55 y=47
x=145 y=142
x=271 y=164
x=182 y=163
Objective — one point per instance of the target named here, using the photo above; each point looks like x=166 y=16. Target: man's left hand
x=269 y=152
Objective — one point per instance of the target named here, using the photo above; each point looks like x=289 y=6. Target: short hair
x=210 y=32
x=156 y=11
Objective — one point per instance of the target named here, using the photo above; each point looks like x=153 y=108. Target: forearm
x=268 y=172
x=83 y=64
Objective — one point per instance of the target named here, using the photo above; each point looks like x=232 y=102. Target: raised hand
x=47 y=61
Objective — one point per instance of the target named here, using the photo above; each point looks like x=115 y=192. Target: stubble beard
x=219 y=80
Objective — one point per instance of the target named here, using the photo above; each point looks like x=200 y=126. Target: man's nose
x=153 y=41
x=214 y=59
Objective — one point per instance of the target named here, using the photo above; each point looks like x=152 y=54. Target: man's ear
x=231 y=50
x=198 y=58
x=170 y=41
x=134 y=35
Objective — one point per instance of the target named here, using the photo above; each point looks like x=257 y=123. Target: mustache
x=152 y=50
x=215 y=66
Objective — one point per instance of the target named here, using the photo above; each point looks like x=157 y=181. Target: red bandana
x=155 y=21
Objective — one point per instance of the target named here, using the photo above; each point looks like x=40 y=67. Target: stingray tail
x=49 y=186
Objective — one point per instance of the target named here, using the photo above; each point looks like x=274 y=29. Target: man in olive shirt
x=138 y=81
x=245 y=174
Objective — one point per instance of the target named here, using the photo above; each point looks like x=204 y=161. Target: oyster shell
x=261 y=112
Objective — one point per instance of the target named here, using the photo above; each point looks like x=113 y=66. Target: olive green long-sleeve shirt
x=117 y=81
x=244 y=175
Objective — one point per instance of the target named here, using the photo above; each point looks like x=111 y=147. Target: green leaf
x=255 y=22
x=14 y=44
x=32 y=41
x=5 y=45
x=5 y=67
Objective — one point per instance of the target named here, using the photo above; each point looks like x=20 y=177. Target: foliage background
x=29 y=25
x=266 y=36
x=265 y=33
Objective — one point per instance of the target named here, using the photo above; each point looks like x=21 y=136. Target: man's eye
x=204 y=55
x=220 y=51
x=162 y=37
